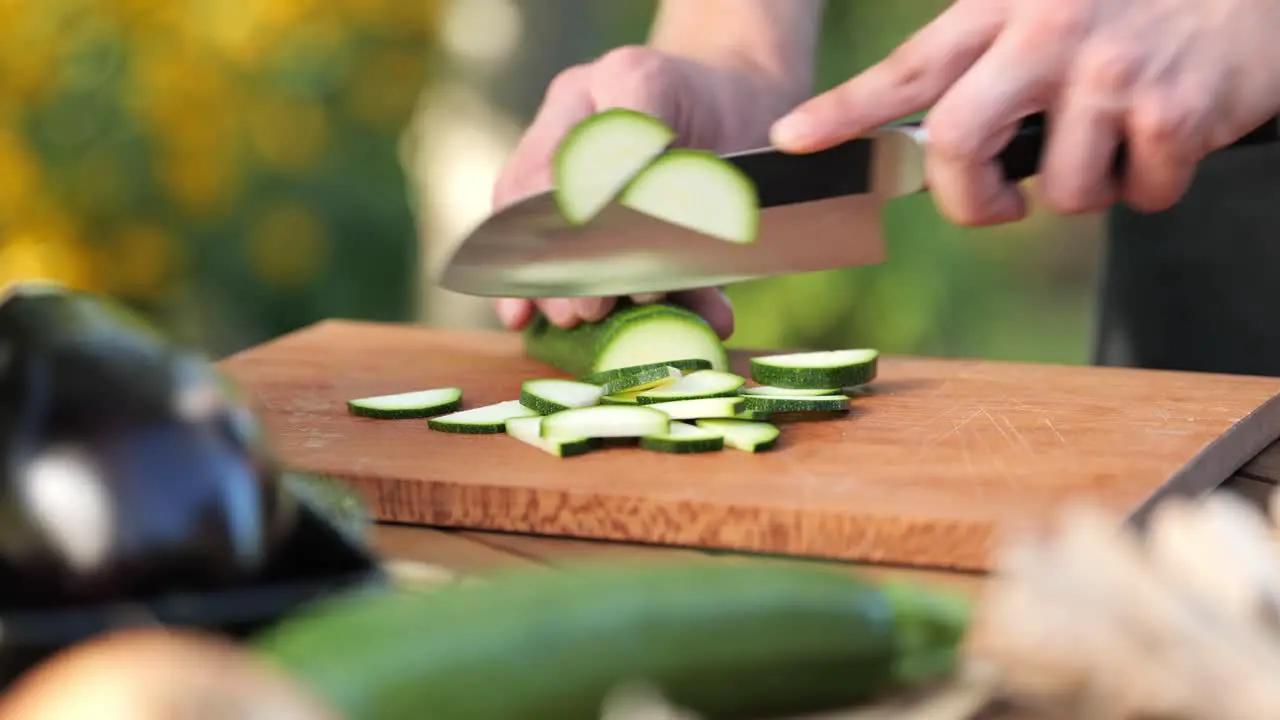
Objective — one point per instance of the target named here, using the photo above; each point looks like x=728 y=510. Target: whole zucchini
x=725 y=640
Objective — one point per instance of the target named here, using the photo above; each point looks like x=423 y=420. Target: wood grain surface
x=936 y=457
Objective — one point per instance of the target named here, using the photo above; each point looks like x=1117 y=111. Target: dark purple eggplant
x=131 y=466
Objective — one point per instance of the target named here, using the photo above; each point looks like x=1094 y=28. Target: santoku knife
x=819 y=211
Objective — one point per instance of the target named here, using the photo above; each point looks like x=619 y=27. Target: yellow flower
x=141 y=261
x=20 y=177
x=288 y=134
x=287 y=246
x=45 y=255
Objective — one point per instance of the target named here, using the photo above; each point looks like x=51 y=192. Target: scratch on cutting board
x=1049 y=424
x=1008 y=431
x=313 y=437
x=959 y=425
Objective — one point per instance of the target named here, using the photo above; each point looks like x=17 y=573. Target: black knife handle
x=1020 y=159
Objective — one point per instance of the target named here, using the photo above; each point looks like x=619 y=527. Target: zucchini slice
x=698 y=190
x=687 y=365
x=746 y=435
x=622 y=398
x=486 y=420
x=605 y=421
x=683 y=439
x=824 y=369
x=796 y=403
x=549 y=396
x=600 y=155
x=719 y=407
x=789 y=392
x=417 y=404
x=702 y=384
x=635 y=380
x=528 y=430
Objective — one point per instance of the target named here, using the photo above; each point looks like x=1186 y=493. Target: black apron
x=1197 y=287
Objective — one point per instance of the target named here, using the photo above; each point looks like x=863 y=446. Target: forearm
x=778 y=38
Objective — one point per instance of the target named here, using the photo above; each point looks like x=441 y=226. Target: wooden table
x=438 y=555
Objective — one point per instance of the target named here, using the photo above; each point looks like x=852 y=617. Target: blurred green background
x=242 y=168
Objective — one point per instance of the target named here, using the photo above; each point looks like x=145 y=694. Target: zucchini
x=702 y=384
x=683 y=438
x=605 y=421
x=486 y=420
x=745 y=435
x=637 y=379
x=789 y=392
x=825 y=369
x=528 y=430
x=698 y=190
x=720 y=407
x=725 y=640
x=617 y=375
x=600 y=155
x=632 y=335
x=622 y=398
x=549 y=396
x=795 y=403
x=418 y=404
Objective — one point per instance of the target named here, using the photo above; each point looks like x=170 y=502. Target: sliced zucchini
x=700 y=191
x=417 y=404
x=825 y=369
x=752 y=415
x=789 y=392
x=600 y=155
x=720 y=407
x=745 y=435
x=686 y=365
x=605 y=421
x=654 y=334
x=549 y=396
x=797 y=403
x=528 y=430
x=702 y=384
x=682 y=439
x=635 y=380
x=485 y=420
x=622 y=398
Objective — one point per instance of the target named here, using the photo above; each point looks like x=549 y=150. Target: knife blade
x=819 y=211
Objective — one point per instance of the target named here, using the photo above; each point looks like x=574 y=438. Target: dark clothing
x=1198 y=287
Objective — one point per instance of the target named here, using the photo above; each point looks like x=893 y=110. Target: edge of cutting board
x=1221 y=458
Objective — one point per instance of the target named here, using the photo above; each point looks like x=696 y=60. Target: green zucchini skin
x=738 y=641
x=577 y=351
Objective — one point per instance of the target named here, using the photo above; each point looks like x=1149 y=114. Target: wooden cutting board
x=933 y=460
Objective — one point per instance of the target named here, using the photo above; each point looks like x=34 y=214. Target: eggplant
x=131 y=466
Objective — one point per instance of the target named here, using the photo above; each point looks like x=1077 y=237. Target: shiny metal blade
x=821 y=211
x=528 y=250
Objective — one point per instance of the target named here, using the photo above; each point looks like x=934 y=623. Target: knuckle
x=570 y=80
x=1170 y=122
x=1110 y=68
x=1055 y=23
x=632 y=61
x=905 y=67
x=950 y=137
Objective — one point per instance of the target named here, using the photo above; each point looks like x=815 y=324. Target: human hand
x=711 y=107
x=1176 y=79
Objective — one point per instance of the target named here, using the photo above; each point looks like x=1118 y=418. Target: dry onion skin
x=158 y=674
x=1098 y=621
